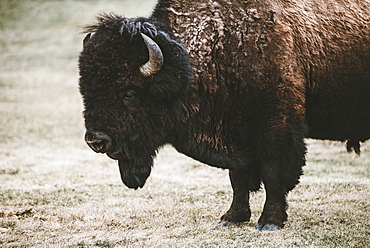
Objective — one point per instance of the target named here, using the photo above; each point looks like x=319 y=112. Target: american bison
x=234 y=84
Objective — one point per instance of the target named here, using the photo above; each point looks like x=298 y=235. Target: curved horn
x=155 y=62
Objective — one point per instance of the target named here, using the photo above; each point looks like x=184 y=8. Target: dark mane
x=130 y=26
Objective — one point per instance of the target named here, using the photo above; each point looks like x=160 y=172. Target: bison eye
x=130 y=95
x=127 y=95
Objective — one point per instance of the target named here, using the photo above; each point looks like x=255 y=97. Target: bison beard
x=134 y=175
x=263 y=76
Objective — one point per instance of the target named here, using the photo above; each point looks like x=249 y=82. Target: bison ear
x=86 y=39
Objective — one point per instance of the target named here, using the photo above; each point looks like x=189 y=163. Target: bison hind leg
x=353 y=145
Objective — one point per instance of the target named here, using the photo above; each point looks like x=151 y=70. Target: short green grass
x=55 y=192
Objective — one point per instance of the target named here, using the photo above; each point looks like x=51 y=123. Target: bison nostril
x=98 y=141
x=98 y=145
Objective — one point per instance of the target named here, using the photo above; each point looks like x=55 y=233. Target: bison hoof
x=267 y=228
x=224 y=223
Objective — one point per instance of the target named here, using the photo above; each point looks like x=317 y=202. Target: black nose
x=98 y=141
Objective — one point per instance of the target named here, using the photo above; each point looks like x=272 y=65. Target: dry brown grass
x=55 y=192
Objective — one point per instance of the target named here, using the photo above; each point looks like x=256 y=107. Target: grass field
x=56 y=192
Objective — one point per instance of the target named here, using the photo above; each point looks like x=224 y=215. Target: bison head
x=132 y=79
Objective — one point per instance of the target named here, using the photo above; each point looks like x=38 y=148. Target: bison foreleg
x=239 y=210
x=274 y=212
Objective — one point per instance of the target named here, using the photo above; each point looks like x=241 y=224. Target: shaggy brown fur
x=264 y=75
